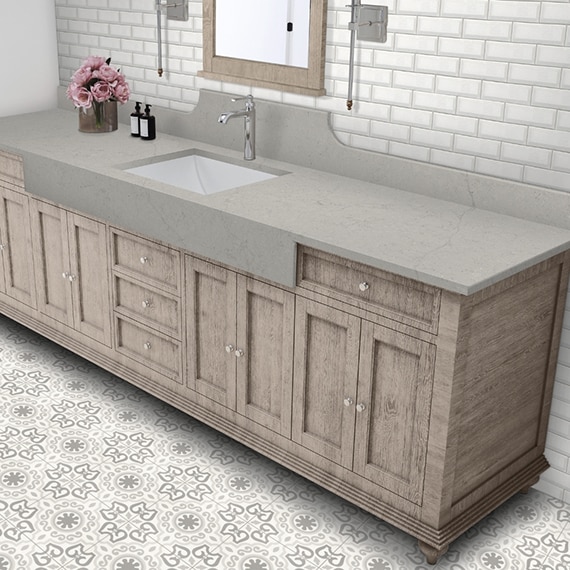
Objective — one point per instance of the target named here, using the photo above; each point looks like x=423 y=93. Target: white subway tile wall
x=477 y=85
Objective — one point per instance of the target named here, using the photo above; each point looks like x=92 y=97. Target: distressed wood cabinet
x=427 y=408
x=240 y=343
x=147 y=304
x=17 y=276
x=72 y=269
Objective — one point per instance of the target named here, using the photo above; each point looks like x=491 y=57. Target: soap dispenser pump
x=147 y=125
x=135 y=120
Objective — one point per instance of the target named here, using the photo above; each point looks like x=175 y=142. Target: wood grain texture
x=265 y=316
x=395 y=386
x=89 y=268
x=146 y=260
x=11 y=169
x=17 y=279
x=504 y=349
x=326 y=374
x=391 y=296
x=308 y=81
x=211 y=327
x=149 y=305
x=159 y=352
x=51 y=260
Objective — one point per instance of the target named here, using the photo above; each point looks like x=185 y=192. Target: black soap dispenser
x=135 y=121
x=147 y=125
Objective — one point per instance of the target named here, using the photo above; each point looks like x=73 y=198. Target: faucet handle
x=248 y=100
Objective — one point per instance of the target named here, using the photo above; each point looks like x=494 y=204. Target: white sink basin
x=201 y=173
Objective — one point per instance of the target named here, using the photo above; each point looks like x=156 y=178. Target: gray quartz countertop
x=255 y=228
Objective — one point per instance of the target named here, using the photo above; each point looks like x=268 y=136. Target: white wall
x=28 y=44
x=478 y=85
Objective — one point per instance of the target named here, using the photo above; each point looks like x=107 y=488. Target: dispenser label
x=135 y=125
x=144 y=128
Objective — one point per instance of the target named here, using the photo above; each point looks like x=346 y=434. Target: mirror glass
x=278 y=44
x=275 y=31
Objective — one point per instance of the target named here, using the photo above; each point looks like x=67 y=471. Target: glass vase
x=99 y=118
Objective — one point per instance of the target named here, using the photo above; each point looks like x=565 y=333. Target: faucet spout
x=225 y=117
x=249 y=125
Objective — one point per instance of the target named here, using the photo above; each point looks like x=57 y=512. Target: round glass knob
x=147 y=345
x=364 y=286
x=144 y=260
x=360 y=407
x=348 y=401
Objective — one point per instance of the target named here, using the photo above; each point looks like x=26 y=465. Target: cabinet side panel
x=504 y=351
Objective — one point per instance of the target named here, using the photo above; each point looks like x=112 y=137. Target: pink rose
x=106 y=73
x=122 y=92
x=80 y=96
x=94 y=62
x=101 y=91
x=82 y=75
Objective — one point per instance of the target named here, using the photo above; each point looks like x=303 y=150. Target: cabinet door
x=16 y=245
x=393 y=408
x=264 y=372
x=51 y=258
x=211 y=310
x=89 y=275
x=326 y=371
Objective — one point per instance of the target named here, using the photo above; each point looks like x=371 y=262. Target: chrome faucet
x=249 y=124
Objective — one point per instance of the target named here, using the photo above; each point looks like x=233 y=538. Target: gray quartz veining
x=255 y=228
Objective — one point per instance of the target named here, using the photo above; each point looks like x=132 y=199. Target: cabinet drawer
x=158 y=310
x=146 y=260
x=368 y=288
x=158 y=352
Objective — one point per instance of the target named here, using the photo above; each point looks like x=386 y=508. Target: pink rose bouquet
x=96 y=82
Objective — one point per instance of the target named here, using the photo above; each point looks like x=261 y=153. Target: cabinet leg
x=527 y=487
x=431 y=553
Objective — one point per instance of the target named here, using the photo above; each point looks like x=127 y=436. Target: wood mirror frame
x=305 y=80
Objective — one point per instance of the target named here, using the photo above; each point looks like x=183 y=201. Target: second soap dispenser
x=147 y=125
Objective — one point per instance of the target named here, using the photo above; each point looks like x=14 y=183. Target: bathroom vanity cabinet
x=427 y=408
x=70 y=256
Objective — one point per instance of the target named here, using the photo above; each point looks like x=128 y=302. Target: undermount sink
x=202 y=173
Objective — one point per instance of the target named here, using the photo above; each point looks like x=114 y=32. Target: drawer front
x=370 y=289
x=146 y=260
x=157 y=310
x=158 y=352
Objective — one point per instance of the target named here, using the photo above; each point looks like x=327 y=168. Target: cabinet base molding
x=433 y=542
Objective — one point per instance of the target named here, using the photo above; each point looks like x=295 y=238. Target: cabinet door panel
x=211 y=308
x=90 y=277
x=17 y=250
x=395 y=386
x=51 y=258
x=265 y=334
x=326 y=370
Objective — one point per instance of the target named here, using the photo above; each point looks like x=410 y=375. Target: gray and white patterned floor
x=96 y=474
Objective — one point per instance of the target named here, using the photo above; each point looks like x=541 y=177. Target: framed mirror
x=278 y=44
